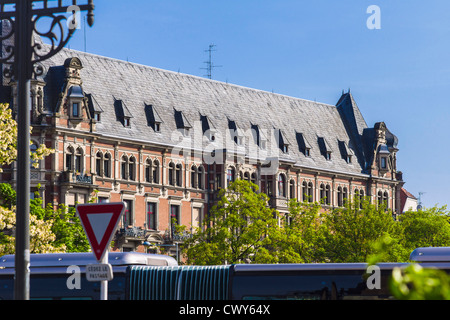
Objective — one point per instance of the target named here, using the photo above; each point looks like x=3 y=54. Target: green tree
x=50 y=230
x=350 y=233
x=418 y=283
x=8 y=141
x=241 y=228
x=299 y=235
x=42 y=239
x=425 y=228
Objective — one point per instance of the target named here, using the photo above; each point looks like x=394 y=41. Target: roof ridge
x=197 y=77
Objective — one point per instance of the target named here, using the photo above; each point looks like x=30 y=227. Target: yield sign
x=100 y=222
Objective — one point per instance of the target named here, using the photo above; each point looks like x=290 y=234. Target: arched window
x=155 y=171
x=380 y=198
x=123 y=167
x=194 y=176
x=386 y=199
x=322 y=193
x=304 y=191
x=200 y=177
x=291 y=189
x=345 y=194
x=132 y=168
x=171 y=175
x=340 y=197
x=69 y=159
x=361 y=198
x=310 y=192
x=253 y=178
x=148 y=170
x=107 y=165
x=328 y=194
x=230 y=176
x=98 y=164
x=79 y=160
x=281 y=185
x=178 y=177
x=33 y=148
x=246 y=176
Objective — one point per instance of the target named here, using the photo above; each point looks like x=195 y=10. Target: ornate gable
x=72 y=110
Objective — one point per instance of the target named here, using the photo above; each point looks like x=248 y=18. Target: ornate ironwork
x=133 y=232
x=58 y=34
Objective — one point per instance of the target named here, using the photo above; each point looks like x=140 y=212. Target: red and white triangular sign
x=100 y=221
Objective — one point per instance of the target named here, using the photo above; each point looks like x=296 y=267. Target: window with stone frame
x=107 y=165
x=152 y=216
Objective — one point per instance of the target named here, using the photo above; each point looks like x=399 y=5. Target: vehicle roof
x=309 y=267
x=82 y=259
x=431 y=254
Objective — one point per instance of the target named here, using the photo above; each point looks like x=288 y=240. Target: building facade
x=165 y=143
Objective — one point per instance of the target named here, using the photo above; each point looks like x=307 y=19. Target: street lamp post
x=20 y=60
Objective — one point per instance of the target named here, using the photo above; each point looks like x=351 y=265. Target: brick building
x=165 y=142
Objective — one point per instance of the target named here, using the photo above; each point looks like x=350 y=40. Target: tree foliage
x=349 y=233
x=418 y=283
x=242 y=228
x=8 y=141
x=50 y=230
x=239 y=229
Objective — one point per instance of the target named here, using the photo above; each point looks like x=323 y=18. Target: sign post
x=100 y=223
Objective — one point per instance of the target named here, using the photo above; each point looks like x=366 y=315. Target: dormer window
x=303 y=144
x=75 y=96
x=235 y=133
x=258 y=137
x=94 y=108
x=283 y=143
x=182 y=122
x=383 y=154
x=263 y=144
x=75 y=109
x=307 y=152
x=383 y=163
x=208 y=128
x=153 y=118
x=325 y=148
x=122 y=113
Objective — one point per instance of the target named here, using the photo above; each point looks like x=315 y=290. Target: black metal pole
x=23 y=40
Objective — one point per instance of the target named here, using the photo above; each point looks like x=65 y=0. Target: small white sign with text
x=99 y=272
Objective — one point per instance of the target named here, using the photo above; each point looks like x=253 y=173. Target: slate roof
x=182 y=99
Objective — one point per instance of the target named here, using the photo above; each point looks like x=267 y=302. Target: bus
x=314 y=281
x=139 y=276
x=61 y=276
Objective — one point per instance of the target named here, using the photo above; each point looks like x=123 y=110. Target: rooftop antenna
x=209 y=64
x=420 y=206
x=84 y=25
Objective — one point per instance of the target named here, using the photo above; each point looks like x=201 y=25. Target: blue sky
x=399 y=74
